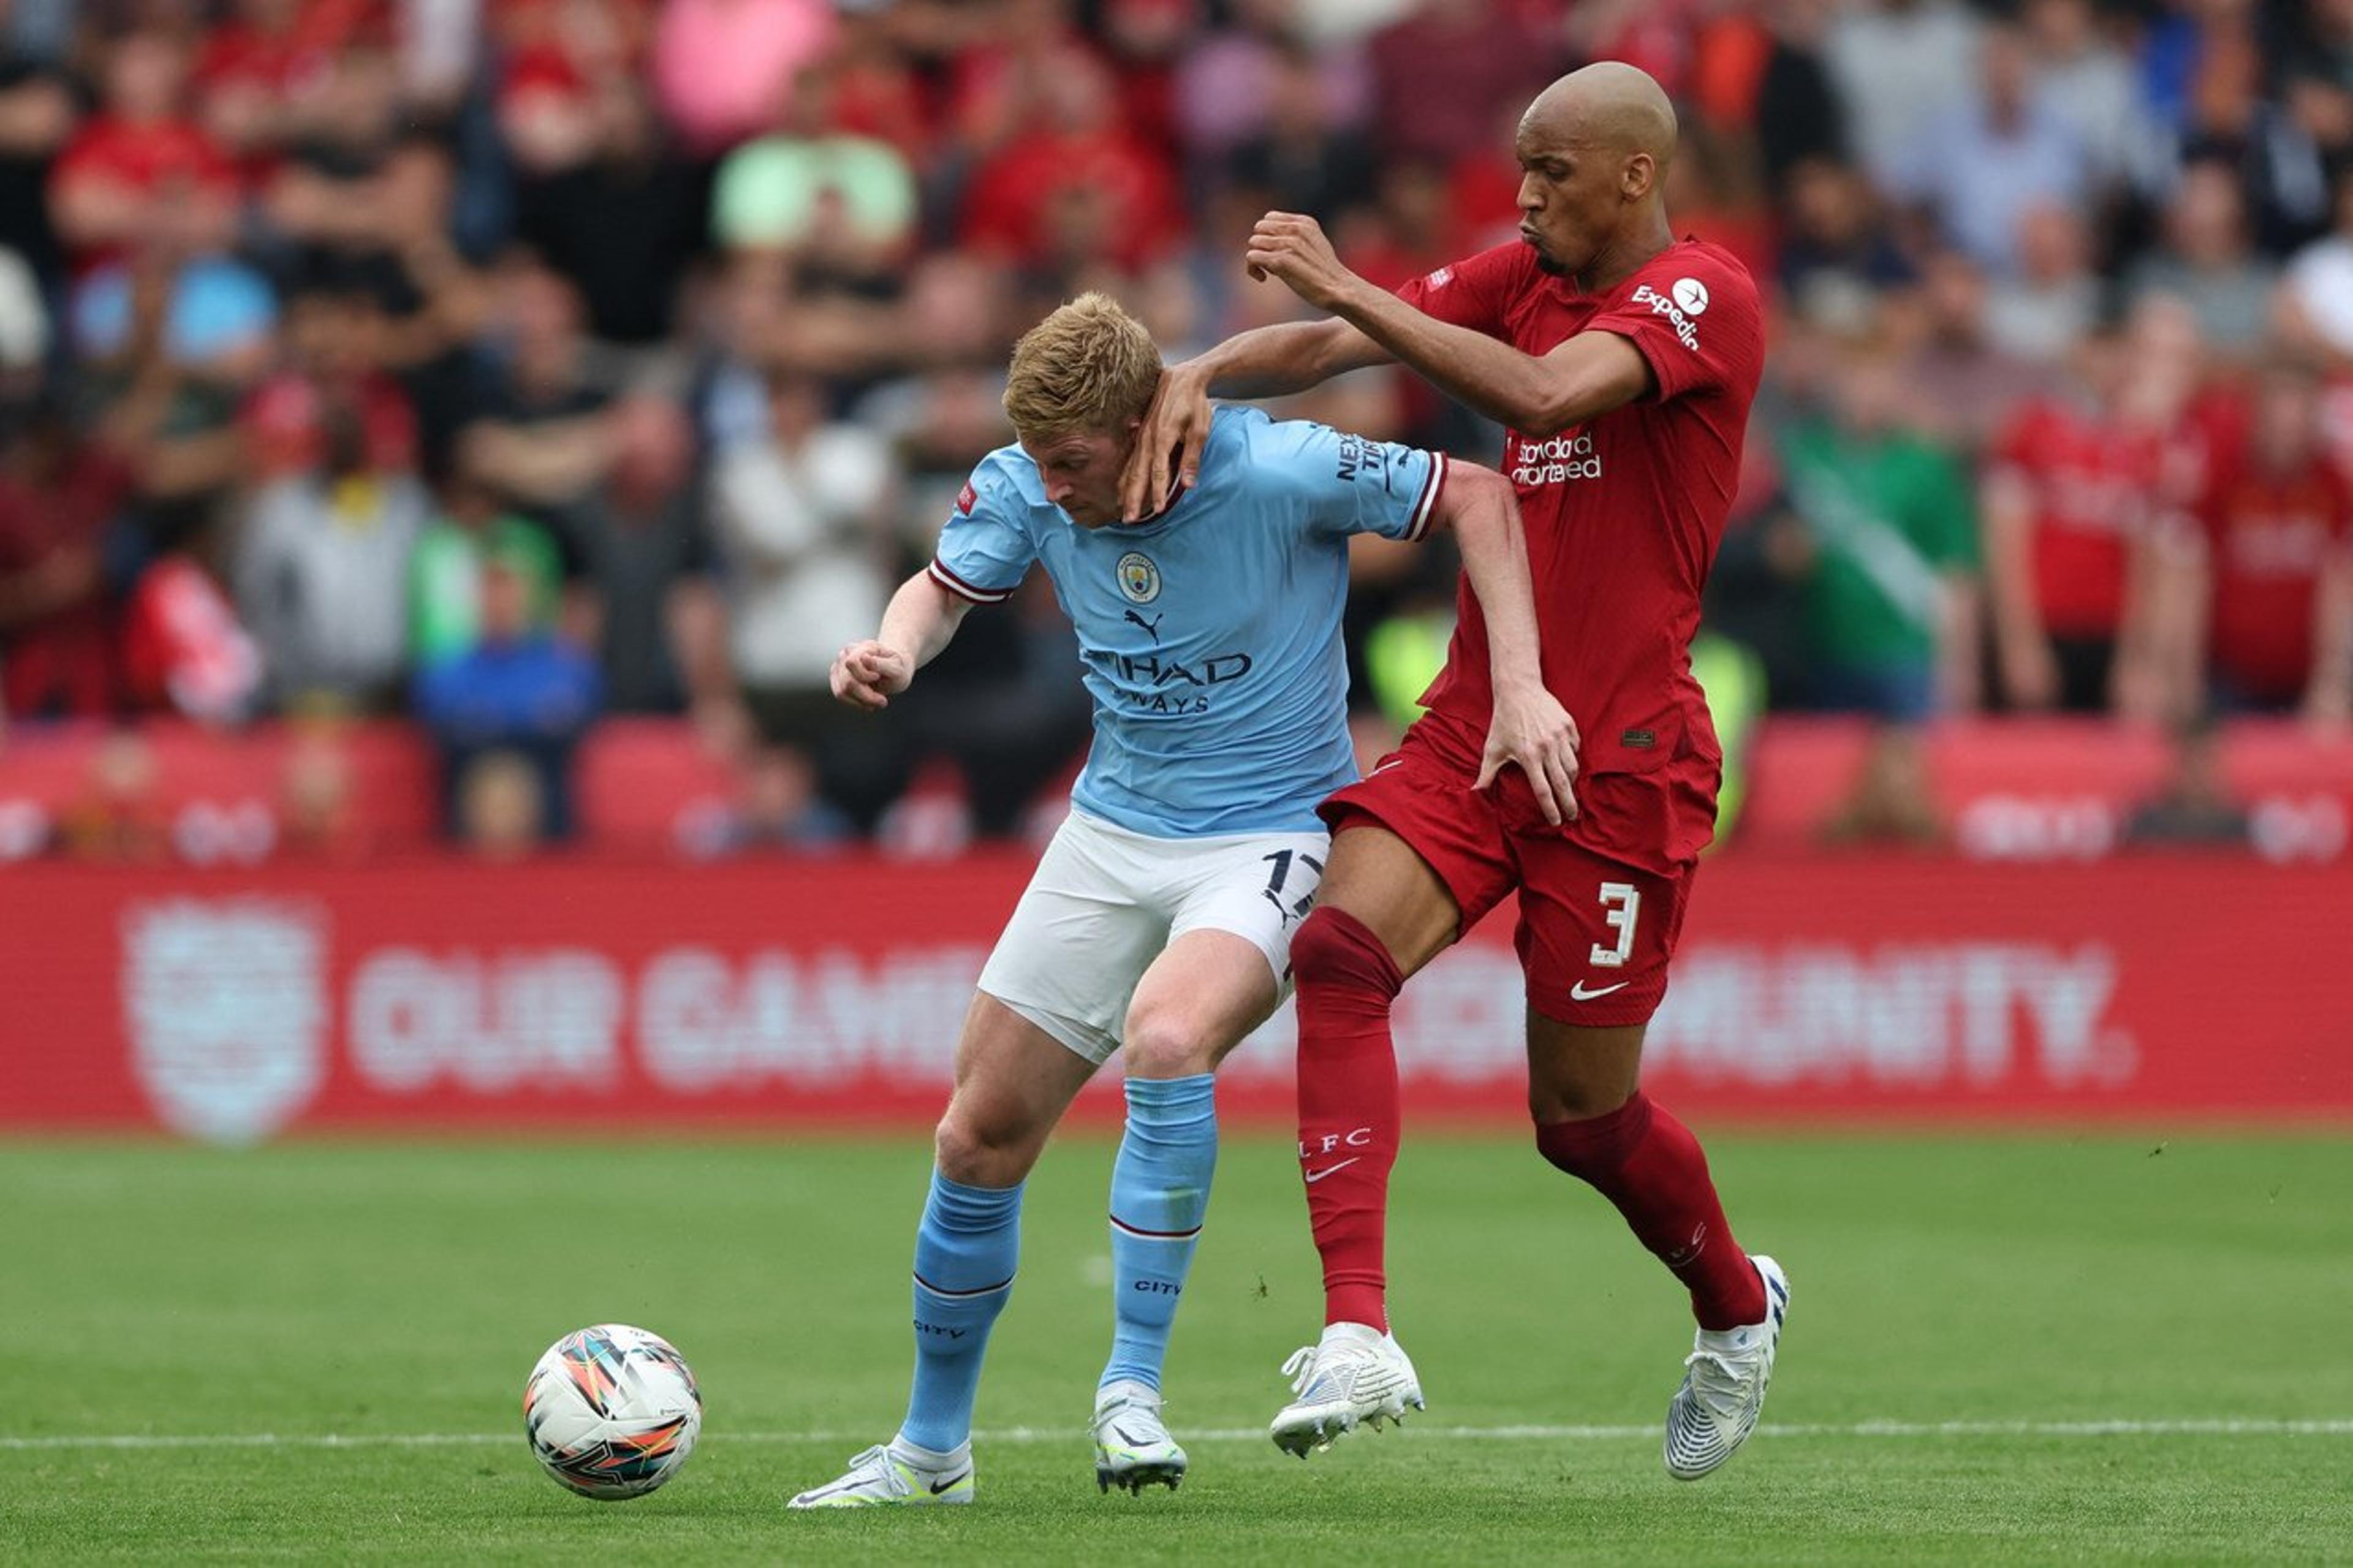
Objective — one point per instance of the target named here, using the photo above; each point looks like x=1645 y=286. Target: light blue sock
x=965 y=1252
x=1159 y=1195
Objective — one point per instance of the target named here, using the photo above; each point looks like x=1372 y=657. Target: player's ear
x=1641 y=172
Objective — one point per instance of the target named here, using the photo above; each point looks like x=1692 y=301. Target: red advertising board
x=236 y=1005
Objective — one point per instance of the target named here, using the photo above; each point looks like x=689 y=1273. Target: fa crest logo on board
x=1139 y=579
x=1690 y=296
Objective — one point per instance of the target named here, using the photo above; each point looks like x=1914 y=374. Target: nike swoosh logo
x=1316 y=1177
x=957 y=1480
x=1578 y=993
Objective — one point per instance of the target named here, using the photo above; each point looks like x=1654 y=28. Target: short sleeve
x=1476 y=293
x=1347 y=483
x=1695 y=320
x=984 y=552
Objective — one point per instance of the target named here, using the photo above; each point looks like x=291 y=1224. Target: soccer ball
x=612 y=1412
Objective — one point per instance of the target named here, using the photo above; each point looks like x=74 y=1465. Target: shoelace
x=1300 y=1367
x=1716 y=1382
x=878 y=1460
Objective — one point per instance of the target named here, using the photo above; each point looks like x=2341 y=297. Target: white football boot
x=1724 y=1379
x=896 y=1475
x=1354 y=1375
x=1133 y=1448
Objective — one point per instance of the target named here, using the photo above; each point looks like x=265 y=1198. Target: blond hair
x=1088 y=367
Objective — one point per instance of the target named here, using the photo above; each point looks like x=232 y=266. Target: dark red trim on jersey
x=964 y=590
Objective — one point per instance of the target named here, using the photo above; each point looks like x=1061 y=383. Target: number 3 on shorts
x=1622 y=904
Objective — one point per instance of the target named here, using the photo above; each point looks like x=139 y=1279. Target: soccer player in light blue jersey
x=1160 y=917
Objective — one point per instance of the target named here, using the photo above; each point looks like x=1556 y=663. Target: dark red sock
x=1649 y=1164
x=1348 y=1116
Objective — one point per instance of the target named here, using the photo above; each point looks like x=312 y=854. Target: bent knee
x=1161 y=1042
x=979 y=1148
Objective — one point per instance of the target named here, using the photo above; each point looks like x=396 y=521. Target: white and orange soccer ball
x=611 y=1411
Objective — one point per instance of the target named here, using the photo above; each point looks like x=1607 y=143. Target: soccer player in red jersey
x=1623 y=362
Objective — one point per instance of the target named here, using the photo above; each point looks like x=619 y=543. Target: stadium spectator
x=543 y=437
x=1078 y=190
x=1304 y=160
x=446 y=570
x=57 y=497
x=2066 y=498
x=1443 y=72
x=502 y=806
x=2193 y=807
x=1977 y=168
x=647 y=566
x=2320 y=281
x=184 y=651
x=334 y=342
x=719 y=66
x=2208 y=261
x=139 y=172
x=620 y=214
x=522 y=691
x=1839 y=260
x=2265 y=591
x=2052 y=300
x=320 y=570
x=1966 y=386
x=2092 y=84
x=809 y=183
x=1797 y=109
x=800 y=516
x=1901 y=66
x=36 y=119
x=1886 y=548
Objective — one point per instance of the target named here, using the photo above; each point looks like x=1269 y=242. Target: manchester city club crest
x=1139 y=579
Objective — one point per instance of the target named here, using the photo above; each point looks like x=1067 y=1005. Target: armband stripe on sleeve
x=964 y=590
x=1427 y=507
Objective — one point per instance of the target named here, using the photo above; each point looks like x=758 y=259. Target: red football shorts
x=1601 y=898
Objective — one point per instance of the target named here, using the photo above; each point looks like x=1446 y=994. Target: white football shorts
x=1105 y=901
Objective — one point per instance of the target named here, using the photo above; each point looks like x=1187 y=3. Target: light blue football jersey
x=1210 y=635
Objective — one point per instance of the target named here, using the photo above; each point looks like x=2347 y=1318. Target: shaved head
x=1607 y=106
x=1593 y=151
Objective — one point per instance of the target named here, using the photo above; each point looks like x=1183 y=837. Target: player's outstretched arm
x=1588 y=376
x=1530 y=728
x=1265 y=361
x=922 y=619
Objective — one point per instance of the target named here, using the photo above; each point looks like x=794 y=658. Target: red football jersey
x=2093 y=487
x=2268 y=538
x=1624 y=512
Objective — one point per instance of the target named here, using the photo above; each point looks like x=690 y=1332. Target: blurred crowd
x=508 y=363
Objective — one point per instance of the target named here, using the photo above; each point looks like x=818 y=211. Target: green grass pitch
x=2024 y=1287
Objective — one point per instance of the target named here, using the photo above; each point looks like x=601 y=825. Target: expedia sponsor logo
x=1679 y=316
x=1555 y=461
